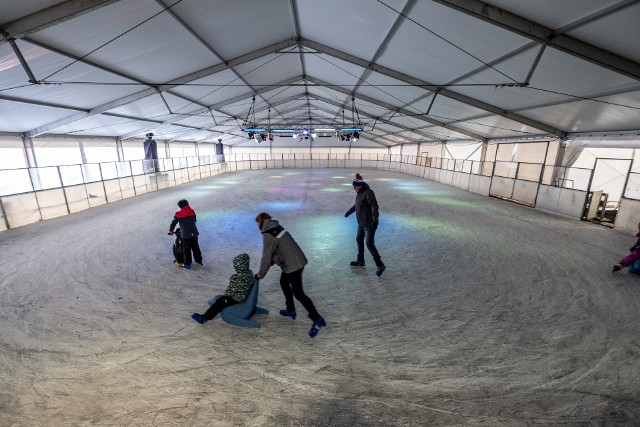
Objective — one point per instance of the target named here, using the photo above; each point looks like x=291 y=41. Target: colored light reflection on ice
x=319 y=234
x=334 y=190
x=280 y=206
x=286 y=190
x=446 y=201
x=228 y=182
x=408 y=186
x=427 y=224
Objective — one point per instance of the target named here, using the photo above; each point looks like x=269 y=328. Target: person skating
x=279 y=247
x=367 y=215
x=631 y=259
x=186 y=217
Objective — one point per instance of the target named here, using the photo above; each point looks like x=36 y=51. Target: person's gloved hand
x=255 y=276
x=616 y=267
x=632 y=248
x=375 y=224
x=346 y=215
x=171 y=233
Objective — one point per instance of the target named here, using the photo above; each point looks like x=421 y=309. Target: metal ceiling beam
x=383 y=46
x=257 y=110
x=51 y=16
x=202 y=41
x=542 y=34
x=163 y=87
x=404 y=111
x=215 y=106
x=303 y=65
x=337 y=104
x=430 y=87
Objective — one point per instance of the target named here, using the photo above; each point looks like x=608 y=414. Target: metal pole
x=64 y=193
x=4 y=214
x=104 y=187
x=544 y=164
x=133 y=179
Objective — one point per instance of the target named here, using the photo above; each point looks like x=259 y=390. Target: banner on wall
x=150 y=155
x=220 y=151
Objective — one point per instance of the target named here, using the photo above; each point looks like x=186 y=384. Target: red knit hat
x=358 y=182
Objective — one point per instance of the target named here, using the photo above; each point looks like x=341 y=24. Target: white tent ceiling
x=405 y=70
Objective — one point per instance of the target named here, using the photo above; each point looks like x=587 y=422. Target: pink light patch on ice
x=287 y=190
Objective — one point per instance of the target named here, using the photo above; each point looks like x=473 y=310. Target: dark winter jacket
x=241 y=282
x=278 y=247
x=366 y=207
x=187 y=219
x=636 y=247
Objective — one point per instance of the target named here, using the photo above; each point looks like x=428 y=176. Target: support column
x=83 y=156
x=28 y=151
x=119 y=150
x=483 y=152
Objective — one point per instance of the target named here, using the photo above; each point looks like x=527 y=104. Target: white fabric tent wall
x=12 y=153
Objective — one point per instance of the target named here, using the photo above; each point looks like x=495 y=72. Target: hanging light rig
x=350 y=133
x=249 y=125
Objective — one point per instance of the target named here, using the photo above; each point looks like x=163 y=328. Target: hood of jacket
x=185 y=212
x=268 y=224
x=241 y=264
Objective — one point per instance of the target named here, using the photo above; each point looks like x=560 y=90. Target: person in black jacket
x=186 y=217
x=366 y=209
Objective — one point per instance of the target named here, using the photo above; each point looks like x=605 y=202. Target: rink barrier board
x=26 y=208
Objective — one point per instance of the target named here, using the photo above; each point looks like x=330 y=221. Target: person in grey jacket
x=366 y=209
x=281 y=249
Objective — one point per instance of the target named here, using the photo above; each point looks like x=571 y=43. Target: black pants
x=191 y=245
x=220 y=304
x=291 y=284
x=368 y=232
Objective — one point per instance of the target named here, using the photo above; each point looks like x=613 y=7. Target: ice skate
x=286 y=313
x=198 y=318
x=320 y=323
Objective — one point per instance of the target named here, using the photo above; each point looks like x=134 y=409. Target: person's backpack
x=178 y=253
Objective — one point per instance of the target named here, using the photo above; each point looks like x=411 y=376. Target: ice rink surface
x=488 y=313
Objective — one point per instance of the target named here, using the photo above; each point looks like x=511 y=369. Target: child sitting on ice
x=239 y=287
x=631 y=259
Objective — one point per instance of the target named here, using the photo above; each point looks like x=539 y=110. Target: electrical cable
x=234 y=80
x=447 y=41
x=112 y=40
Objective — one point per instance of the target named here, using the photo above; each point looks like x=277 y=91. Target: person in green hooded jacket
x=239 y=287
